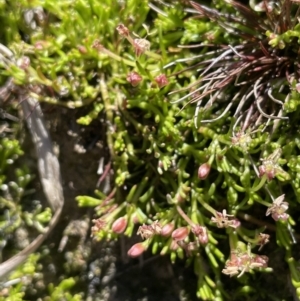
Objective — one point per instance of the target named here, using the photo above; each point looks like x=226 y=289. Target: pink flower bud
x=161 y=80
x=82 y=49
x=180 y=233
x=167 y=230
x=119 y=225
x=203 y=171
x=136 y=250
x=134 y=78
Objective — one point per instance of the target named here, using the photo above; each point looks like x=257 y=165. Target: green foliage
x=19 y=278
x=62 y=291
x=13 y=191
x=80 y=56
x=17 y=218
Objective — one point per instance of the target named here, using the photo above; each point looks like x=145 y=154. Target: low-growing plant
x=200 y=110
x=185 y=177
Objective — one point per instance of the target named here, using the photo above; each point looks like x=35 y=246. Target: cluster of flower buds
x=241 y=139
x=201 y=234
x=179 y=238
x=241 y=262
x=179 y=235
x=224 y=220
x=146 y=232
x=267 y=169
x=188 y=247
x=271 y=168
x=278 y=208
x=140 y=47
x=135 y=78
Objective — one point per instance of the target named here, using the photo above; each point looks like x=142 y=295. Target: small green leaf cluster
x=20 y=217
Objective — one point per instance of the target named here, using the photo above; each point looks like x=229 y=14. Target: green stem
x=260 y=184
x=184 y=216
x=207 y=207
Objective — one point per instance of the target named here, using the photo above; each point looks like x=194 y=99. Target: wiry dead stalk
x=257 y=71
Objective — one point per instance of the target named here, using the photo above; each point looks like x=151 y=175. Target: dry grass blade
x=252 y=66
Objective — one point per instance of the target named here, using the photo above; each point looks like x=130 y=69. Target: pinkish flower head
x=224 y=220
x=134 y=78
x=267 y=170
x=136 y=250
x=271 y=168
x=259 y=261
x=141 y=46
x=278 y=208
x=161 y=80
x=180 y=233
x=148 y=231
x=188 y=247
x=119 y=225
x=241 y=262
x=24 y=62
x=203 y=171
x=241 y=139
